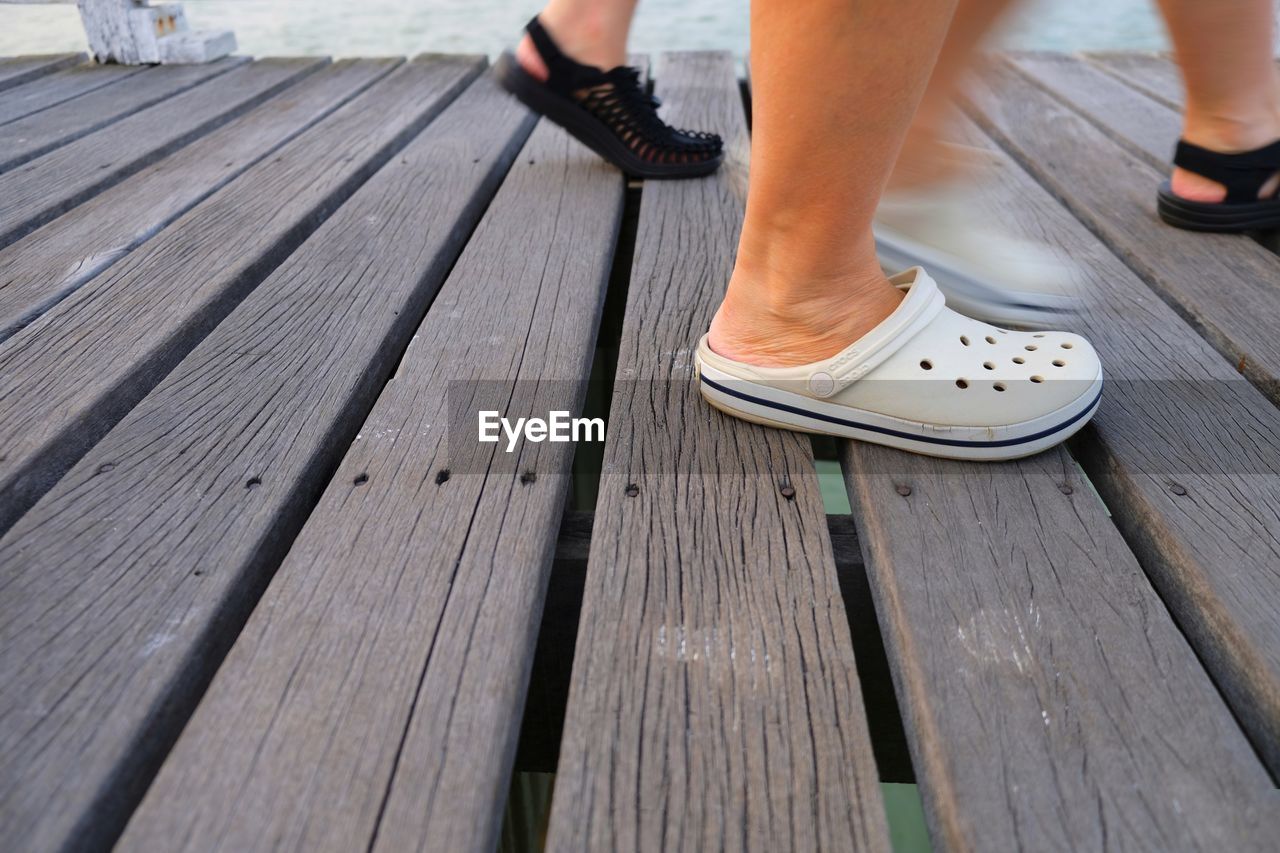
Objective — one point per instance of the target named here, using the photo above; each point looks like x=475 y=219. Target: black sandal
x=1242 y=174
x=610 y=113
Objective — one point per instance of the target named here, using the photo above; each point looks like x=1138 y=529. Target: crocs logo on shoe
x=822 y=384
x=845 y=357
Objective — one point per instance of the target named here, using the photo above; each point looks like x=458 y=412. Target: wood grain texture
x=36 y=192
x=38 y=134
x=71 y=375
x=1050 y=701
x=16 y=70
x=42 y=268
x=549 y=680
x=1186 y=455
x=1226 y=285
x=1153 y=74
x=715 y=699
x=153 y=548
x=53 y=89
x=1144 y=126
x=408 y=607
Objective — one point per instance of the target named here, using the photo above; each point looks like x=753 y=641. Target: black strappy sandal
x=610 y=113
x=1242 y=174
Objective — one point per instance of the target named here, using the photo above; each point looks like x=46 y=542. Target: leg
x=835 y=85
x=1226 y=53
x=593 y=32
x=925 y=157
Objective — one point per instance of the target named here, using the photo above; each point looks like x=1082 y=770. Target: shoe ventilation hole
x=926 y=364
x=999 y=386
x=1031 y=348
x=964 y=340
x=990 y=339
x=988 y=365
x=1066 y=346
x=1038 y=336
x=1017 y=359
x=1037 y=378
x=1057 y=362
x=961 y=383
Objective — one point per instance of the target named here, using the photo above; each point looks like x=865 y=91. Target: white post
x=133 y=32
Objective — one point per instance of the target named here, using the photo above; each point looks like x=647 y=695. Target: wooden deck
x=257 y=591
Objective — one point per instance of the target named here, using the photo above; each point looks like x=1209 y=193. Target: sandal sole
x=587 y=129
x=785 y=410
x=1206 y=216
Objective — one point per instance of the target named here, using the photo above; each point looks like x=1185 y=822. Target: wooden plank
x=156 y=575
x=715 y=699
x=44 y=188
x=28 y=138
x=1224 y=284
x=42 y=268
x=549 y=679
x=53 y=89
x=1144 y=126
x=1185 y=453
x=1153 y=74
x=409 y=604
x=16 y=70
x=1050 y=701
x=71 y=375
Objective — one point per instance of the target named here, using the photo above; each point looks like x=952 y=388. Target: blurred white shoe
x=984 y=272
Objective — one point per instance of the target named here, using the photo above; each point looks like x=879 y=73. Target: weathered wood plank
x=45 y=92
x=28 y=138
x=1153 y=74
x=715 y=699
x=37 y=191
x=409 y=604
x=1050 y=701
x=157 y=575
x=549 y=679
x=72 y=374
x=1185 y=452
x=1144 y=126
x=46 y=265
x=16 y=70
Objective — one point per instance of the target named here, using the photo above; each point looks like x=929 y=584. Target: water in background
x=383 y=27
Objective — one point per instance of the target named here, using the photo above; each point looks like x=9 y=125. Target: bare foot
x=750 y=330
x=531 y=61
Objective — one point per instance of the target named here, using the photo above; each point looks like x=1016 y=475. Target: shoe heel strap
x=1243 y=174
x=919 y=307
x=563 y=74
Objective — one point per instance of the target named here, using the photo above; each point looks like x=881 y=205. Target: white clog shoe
x=927 y=380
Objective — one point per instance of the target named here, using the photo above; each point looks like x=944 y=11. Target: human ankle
x=928 y=161
x=769 y=326
x=1232 y=129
